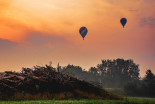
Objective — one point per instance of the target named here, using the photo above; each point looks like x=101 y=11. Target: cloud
x=5 y=3
x=149 y=21
x=6 y=45
x=39 y=39
x=133 y=10
x=149 y=1
x=49 y=29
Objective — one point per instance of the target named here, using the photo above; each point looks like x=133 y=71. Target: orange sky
x=37 y=31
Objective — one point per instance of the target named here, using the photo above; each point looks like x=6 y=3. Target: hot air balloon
x=123 y=21
x=83 y=31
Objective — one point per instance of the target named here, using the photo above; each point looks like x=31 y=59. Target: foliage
x=118 y=73
x=144 y=87
x=110 y=73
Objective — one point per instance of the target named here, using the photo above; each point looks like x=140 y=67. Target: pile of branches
x=41 y=80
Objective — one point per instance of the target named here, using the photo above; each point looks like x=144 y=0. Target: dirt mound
x=46 y=83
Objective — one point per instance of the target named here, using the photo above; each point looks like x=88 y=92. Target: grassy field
x=117 y=91
x=129 y=100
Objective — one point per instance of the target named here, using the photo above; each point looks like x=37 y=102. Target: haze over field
x=37 y=31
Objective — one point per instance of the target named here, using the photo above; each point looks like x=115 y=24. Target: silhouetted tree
x=110 y=73
x=93 y=70
x=116 y=73
x=149 y=76
x=144 y=87
x=58 y=67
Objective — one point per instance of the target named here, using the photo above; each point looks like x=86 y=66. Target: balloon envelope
x=83 y=31
x=123 y=21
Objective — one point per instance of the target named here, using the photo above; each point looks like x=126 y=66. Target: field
x=129 y=100
x=117 y=91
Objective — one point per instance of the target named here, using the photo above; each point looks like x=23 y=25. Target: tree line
x=144 y=87
x=117 y=73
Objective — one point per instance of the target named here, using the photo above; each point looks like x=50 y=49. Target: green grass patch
x=117 y=91
x=129 y=100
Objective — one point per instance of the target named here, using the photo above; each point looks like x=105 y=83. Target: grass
x=129 y=100
x=117 y=91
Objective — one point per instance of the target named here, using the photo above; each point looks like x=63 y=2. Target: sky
x=34 y=32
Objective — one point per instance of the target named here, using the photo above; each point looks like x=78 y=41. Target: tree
x=149 y=83
x=58 y=67
x=116 y=73
x=110 y=73
x=93 y=70
x=149 y=76
x=144 y=87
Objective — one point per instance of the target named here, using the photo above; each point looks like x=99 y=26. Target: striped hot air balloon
x=83 y=31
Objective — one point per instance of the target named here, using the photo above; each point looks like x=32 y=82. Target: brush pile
x=45 y=79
